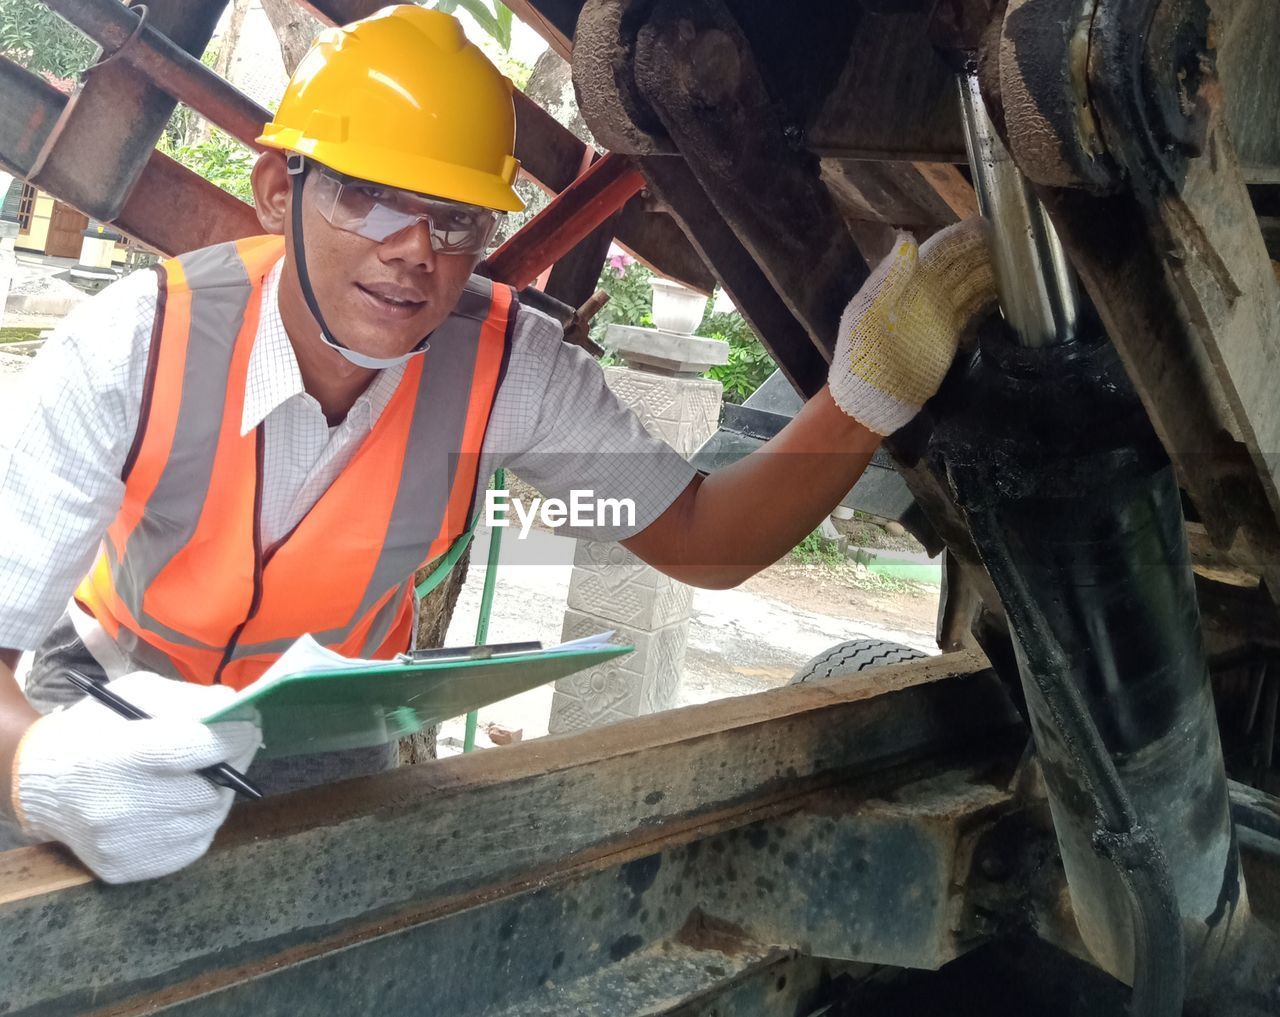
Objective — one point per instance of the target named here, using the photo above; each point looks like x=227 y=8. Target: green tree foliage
x=33 y=37
x=749 y=362
x=219 y=158
x=491 y=15
x=630 y=299
x=631 y=303
x=206 y=150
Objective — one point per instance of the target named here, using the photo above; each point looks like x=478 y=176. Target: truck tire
x=851 y=657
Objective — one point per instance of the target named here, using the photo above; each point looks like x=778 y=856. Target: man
x=268 y=438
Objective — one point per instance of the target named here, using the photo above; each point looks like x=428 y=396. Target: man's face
x=380 y=298
x=377 y=298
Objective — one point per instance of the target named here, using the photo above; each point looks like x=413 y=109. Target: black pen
x=221 y=774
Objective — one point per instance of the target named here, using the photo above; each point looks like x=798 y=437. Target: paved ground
x=740 y=641
x=10 y=376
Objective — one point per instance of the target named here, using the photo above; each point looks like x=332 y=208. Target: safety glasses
x=376 y=212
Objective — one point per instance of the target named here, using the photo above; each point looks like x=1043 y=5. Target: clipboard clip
x=447 y=653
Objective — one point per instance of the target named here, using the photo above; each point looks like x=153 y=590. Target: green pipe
x=486 y=604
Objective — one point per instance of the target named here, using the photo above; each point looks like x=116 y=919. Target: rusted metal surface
x=130 y=37
x=116 y=116
x=574 y=213
x=158 y=212
x=691 y=921
x=302 y=878
x=30 y=110
x=575 y=276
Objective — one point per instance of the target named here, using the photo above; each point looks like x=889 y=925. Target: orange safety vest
x=182 y=577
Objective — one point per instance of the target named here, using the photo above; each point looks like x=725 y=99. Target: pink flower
x=620 y=261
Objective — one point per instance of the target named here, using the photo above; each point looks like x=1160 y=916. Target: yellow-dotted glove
x=900 y=332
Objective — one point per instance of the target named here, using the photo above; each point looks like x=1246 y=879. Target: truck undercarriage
x=1068 y=812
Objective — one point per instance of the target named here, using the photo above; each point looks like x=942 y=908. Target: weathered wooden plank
x=901 y=194
x=896 y=99
x=292 y=871
x=1247 y=41
x=951 y=187
x=682 y=257
x=781 y=332
x=1220 y=271
x=1165 y=344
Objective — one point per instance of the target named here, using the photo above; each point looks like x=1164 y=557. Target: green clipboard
x=370 y=705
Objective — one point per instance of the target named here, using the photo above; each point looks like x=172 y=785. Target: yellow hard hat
x=401 y=98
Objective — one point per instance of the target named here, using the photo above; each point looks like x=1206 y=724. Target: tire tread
x=854 y=656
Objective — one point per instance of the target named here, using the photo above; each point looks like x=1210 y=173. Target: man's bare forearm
x=746 y=516
x=16 y=715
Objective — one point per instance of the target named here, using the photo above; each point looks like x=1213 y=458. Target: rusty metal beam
x=575 y=278
x=158 y=211
x=131 y=38
x=575 y=212
x=681 y=924
x=301 y=884
x=96 y=152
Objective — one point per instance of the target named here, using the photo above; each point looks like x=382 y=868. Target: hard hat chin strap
x=297 y=174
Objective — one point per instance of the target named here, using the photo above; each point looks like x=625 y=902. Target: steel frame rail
x=747 y=830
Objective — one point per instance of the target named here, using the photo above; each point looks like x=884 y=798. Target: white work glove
x=123 y=794
x=900 y=332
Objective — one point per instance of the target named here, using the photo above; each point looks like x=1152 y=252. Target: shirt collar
x=273 y=369
x=274 y=378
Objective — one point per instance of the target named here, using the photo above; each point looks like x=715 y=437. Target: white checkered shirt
x=64 y=441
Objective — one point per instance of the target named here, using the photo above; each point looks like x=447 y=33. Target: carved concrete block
x=610 y=588
x=642 y=682
x=611 y=583
x=683 y=412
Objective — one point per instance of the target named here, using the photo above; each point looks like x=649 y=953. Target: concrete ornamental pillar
x=610 y=587
x=95 y=269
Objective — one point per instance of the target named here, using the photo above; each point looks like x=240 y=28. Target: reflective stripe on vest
x=182 y=579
